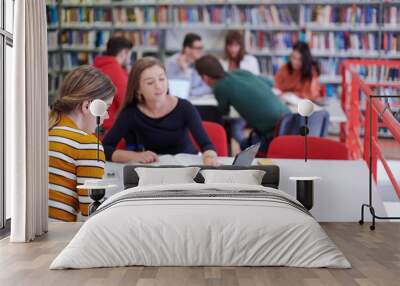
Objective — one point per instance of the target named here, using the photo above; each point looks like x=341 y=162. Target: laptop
x=179 y=88
x=246 y=157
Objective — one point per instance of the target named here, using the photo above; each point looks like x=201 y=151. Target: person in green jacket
x=250 y=95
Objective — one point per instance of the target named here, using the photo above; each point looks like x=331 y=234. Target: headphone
x=98 y=108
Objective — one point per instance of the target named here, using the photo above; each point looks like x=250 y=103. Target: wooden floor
x=375 y=257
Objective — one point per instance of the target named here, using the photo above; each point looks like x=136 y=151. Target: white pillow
x=164 y=176
x=248 y=177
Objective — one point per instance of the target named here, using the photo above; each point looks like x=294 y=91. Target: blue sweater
x=165 y=135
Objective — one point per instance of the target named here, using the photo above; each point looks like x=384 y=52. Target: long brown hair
x=84 y=83
x=132 y=90
x=235 y=37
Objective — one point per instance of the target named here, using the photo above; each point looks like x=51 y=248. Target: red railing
x=352 y=87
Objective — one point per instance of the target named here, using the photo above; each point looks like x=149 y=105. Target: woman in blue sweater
x=153 y=122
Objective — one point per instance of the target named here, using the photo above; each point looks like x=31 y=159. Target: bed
x=198 y=224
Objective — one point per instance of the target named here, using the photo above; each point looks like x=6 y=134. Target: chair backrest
x=218 y=137
x=318 y=124
x=292 y=147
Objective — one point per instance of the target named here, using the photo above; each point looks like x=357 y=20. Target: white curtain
x=26 y=123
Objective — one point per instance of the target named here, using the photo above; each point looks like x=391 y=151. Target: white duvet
x=187 y=231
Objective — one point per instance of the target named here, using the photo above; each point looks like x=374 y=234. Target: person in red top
x=301 y=74
x=115 y=64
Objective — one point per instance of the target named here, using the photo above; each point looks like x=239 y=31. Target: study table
x=335 y=110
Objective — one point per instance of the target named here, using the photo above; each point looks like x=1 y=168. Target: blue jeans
x=254 y=138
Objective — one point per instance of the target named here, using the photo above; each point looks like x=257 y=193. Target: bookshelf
x=335 y=30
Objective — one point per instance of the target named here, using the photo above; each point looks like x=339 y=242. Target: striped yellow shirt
x=72 y=160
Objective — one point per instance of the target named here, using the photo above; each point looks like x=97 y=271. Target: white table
x=340 y=194
x=335 y=110
x=209 y=100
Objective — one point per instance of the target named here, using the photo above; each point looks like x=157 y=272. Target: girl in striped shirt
x=72 y=147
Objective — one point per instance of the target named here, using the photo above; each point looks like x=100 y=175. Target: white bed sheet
x=200 y=231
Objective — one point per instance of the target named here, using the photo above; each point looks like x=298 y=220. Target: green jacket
x=253 y=98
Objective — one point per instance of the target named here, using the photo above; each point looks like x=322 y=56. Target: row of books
x=259 y=40
x=259 y=15
x=86 y=39
x=73 y=59
x=343 y=41
x=391 y=16
x=328 y=14
x=99 y=39
x=88 y=2
x=141 y=38
x=270 y=65
x=70 y=61
x=193 y=15
x=137 y=15
x=391 y=42
x=86 y=15
x=375 y=73
x=235 y=14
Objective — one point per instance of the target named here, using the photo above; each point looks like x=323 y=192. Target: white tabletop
x=304 y=178
x=336 y=113
x=209 y=100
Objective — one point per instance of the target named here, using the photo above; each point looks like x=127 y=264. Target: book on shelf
x=52 y=40
x=54 y=62
x=53 y=83
x=52 y=14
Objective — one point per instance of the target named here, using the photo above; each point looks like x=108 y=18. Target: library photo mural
x=78 y=31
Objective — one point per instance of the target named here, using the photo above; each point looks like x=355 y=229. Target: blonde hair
x=85 y=83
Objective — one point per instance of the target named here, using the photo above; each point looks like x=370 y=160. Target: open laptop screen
x=179 y=88
x=246 y=157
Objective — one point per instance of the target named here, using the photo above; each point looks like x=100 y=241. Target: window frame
x=6 y=39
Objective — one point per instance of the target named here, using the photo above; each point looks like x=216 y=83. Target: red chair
x=121 y=144
x=292 y=147
x=217 y=135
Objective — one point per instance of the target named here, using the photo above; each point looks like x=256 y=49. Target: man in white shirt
x=181 y=65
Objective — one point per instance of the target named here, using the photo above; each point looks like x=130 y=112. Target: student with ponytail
x=72 y=147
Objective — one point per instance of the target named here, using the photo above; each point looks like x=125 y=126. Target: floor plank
x=375 y=257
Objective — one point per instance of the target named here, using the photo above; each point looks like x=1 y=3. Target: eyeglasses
x=199 y=48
